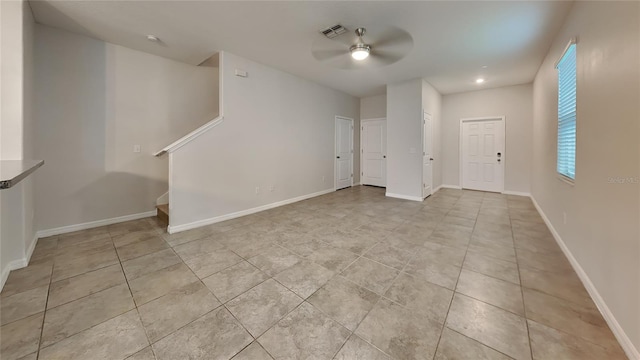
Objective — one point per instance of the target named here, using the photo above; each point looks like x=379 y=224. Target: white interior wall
x=11 y=38
x=373 y=107
x=17 y=204
x=278 y=131
x=513 y=102
x=404 y=139
x=602 y=229
x=94 y=102
x=432 y=104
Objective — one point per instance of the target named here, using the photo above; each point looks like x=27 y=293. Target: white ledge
x=190 y=136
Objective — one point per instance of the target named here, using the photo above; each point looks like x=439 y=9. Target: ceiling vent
x=333 y=31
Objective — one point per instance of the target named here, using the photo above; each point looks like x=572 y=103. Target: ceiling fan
x=379 y=46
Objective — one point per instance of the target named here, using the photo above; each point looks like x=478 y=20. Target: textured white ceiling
x=452 y=39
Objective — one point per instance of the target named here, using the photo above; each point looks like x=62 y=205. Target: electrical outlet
x=323 y=179
x=136 y=148
x=564 y=217
x=257 y=190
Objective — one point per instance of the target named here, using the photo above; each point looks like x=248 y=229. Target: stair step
x=163 y=212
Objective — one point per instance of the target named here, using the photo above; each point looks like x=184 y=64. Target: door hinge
x=351 y=175
x=362 y=174
x=363 y=128
x=352 y=151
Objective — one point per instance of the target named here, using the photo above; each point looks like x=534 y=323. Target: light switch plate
x=136 y=148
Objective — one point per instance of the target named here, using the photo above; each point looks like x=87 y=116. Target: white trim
x=170 y=188
x=93 y=224
x=404 y=197
x=517 y=193
x=356 y=183
x=31 y=248
x=211 y=124
x=18 y=264
x=335 y=152
x=424 y=123
x=163 y=199
x=217 y=219
x=503 y=158
x=373 y=119
x=445 y=186
x=619 y=333
x=190 y=136
x=565 y=179
x=12 y=265
x=572 y=41
x=221 y=61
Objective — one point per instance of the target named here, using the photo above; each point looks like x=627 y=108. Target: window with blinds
x=566 y=67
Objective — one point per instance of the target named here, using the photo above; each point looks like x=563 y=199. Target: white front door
x=482 y=154
x=427 y=156
x=373 y=139
x=344 y=153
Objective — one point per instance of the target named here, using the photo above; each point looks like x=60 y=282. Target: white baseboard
x=31 y=248
x=617 y=330
x=18 y=263
x=445 y=186
x=93 y=224
x=12 y=265
x=196 y=224
x=404 y=197
x=517 y=193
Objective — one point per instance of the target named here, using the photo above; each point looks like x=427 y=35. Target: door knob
x=337 y=157
x=431 y=159
x=498 y=160
x=384 y=156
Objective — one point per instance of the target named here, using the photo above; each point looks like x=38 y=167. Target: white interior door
x=482 y=154
x=373 y=140
x=427 y=156
x=344 y=153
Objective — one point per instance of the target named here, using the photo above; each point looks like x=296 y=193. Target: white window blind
x=566 y=165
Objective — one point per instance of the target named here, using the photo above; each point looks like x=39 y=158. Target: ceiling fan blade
x=324 y=55
x=392 y=37
x=383 y=58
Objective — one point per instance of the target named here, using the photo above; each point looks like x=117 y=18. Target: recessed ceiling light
x=479 y=80
x=484 y=66
x=153 y=38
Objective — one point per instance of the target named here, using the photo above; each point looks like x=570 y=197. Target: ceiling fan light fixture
x=479 y=80
x=360 y=51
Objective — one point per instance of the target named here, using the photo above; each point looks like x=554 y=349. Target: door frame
x=504 y=151
x=423 y=155
x=362 y=121
x=335 y=150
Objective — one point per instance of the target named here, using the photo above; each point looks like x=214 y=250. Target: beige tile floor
x=349 y=275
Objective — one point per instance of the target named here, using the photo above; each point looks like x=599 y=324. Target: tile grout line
x=444 y=323
x=135 y=304
x=44 y=312
x=524 y=307
x=381 y=296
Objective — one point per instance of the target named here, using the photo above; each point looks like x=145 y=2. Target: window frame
x=561 y=176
